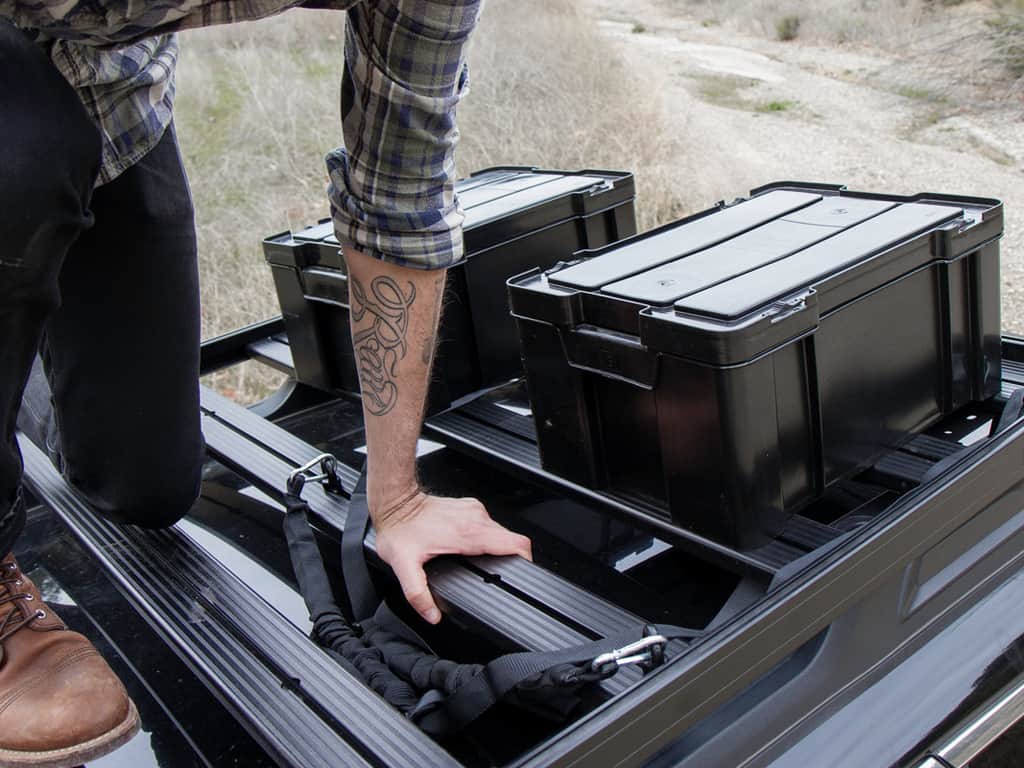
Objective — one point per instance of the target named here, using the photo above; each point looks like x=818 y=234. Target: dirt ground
x=753 y=110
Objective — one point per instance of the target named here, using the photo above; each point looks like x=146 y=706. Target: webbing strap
x=330 y=628
x=570 y=668
x=440 y=696
x=306 y=560
x=362 y=596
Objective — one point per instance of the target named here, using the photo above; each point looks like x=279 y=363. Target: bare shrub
x=1007 y=34
x=787 y=27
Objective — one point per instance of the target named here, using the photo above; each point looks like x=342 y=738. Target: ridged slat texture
x=513 y=621
x=904 y=466
x=500 y=446
x=241 y=646
x=1013 y=371
x=497 y=416
x=932 y=447
x=808 y=534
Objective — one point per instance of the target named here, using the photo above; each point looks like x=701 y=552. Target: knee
x=51 y=181
x=158 y=503
x=149 y=496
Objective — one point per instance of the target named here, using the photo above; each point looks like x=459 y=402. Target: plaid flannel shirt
x=391 y=185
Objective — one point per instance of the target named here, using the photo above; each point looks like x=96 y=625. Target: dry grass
x=960 y=52
x=257 y=110
x=886 y=23
x=548 y=90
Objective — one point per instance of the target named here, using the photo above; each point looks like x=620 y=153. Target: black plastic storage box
x=726 y=368
x=516 y=218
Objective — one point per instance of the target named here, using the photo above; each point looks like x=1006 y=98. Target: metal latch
x=602 y=186
x=788 y=307
x=644 y=651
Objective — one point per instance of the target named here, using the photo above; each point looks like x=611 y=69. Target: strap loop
x=440 y=696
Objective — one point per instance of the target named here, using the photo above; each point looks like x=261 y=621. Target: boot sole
x=69 y=757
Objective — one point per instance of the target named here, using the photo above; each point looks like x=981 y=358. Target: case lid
x=727 y=285
x=754 y=248
x=676 y=240
x=500 y=204
x=814 y=265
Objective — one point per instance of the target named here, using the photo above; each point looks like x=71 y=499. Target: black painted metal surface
x=297 y=700
x=516 y=219
x=183 y=725
x=921 y=591
x=489 y=599
x=735 y=364
x=858 y=593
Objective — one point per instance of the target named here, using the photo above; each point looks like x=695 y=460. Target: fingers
x=526 y=550
x=490 y=538
x=413 y=579
x=440 y=527
x=510 y=543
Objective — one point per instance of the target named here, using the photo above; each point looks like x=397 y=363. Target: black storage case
x=516 y=218
x=726 y=368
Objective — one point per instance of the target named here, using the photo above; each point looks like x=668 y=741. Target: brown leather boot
x=60 y=704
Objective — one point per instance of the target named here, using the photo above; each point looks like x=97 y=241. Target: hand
x=427 y=526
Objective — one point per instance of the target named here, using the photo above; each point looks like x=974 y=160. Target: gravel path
x=752 y=111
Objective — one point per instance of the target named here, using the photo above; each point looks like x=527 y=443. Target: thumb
x=413 y=579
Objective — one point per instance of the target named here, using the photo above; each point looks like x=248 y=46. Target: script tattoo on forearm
x=382 y=344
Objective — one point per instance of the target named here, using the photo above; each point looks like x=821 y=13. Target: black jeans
x=104 y=285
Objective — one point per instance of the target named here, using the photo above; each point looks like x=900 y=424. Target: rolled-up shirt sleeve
x=392 y=186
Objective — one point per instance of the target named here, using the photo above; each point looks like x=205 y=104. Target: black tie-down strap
x=439 y=695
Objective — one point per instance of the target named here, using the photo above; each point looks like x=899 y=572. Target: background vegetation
x=257 y=110
x=975 y=49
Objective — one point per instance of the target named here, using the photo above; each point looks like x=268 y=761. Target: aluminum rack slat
x=273 y=351
x=501 y=615
x=904 y=466
x=633 y=728
x=498 y=446
x=254 y=659
x=931 y=447
x=493 y=414
x=807 y=533
x=1013 y=370
x=582 y=607
x=470 y=594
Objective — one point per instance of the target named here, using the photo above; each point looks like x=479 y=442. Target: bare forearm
x=395 y=313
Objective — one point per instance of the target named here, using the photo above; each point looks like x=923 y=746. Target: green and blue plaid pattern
x=391 y=186
x=129 y=92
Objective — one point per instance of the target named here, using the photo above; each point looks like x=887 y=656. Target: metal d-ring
x=328 y=470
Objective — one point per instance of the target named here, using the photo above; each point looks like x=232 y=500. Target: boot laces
x=13 y=619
